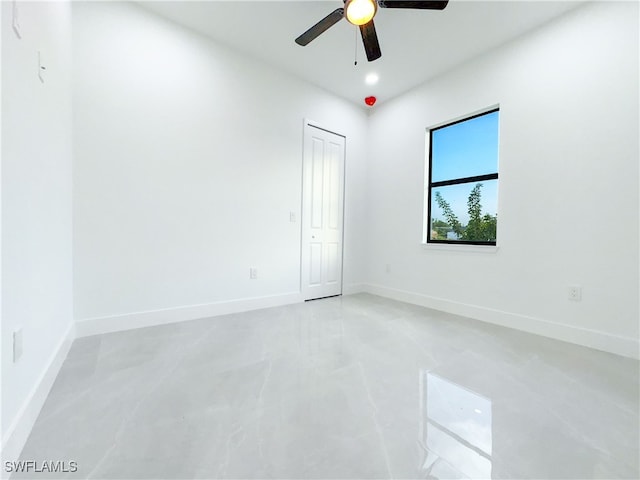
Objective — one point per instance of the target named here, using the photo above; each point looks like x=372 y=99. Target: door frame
x=306 y=122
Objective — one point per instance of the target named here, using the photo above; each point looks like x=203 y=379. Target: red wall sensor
x=370 y=101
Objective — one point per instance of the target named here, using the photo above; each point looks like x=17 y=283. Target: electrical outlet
x=387 y=268
x=575 y=292
x=292 y=217
x=17 y=345
x=253 y=273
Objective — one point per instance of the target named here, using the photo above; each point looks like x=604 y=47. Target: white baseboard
x=129 y=321
x=353 y=288
x=624 y=346
x=19 y=430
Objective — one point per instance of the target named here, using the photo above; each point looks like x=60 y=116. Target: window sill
x=449 y=247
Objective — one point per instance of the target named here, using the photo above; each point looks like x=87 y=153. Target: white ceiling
x=416 y=44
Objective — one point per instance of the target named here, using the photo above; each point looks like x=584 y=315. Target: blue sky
x=466 y=149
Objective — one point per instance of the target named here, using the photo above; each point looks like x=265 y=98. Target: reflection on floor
x=348 y=387
x=457 y=430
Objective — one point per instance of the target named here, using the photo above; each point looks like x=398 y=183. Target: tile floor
x=348 y=387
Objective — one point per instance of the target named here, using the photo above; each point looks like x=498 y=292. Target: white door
x=322 y=213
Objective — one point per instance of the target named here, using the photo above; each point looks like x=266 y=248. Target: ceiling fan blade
x=370 y=41
x=424 y=5
x=322 y=26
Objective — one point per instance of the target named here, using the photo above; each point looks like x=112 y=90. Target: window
x=462 y=193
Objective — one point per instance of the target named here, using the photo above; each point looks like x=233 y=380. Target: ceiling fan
x=361 y=13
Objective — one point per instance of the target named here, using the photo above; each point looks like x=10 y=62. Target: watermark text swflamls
x=46 y=466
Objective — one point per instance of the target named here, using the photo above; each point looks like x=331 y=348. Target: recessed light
x=372 y=79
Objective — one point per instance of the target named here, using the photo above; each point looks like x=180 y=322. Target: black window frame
x=454 y=181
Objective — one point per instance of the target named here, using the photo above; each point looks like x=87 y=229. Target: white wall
x=188 y=160
x=568 y=206
x=36 y=204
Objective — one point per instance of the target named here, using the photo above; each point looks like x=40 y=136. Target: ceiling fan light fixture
x=360 y=12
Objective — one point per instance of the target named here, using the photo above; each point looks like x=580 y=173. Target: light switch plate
x=41 y=68
x=17 y=345
x=15 y=24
